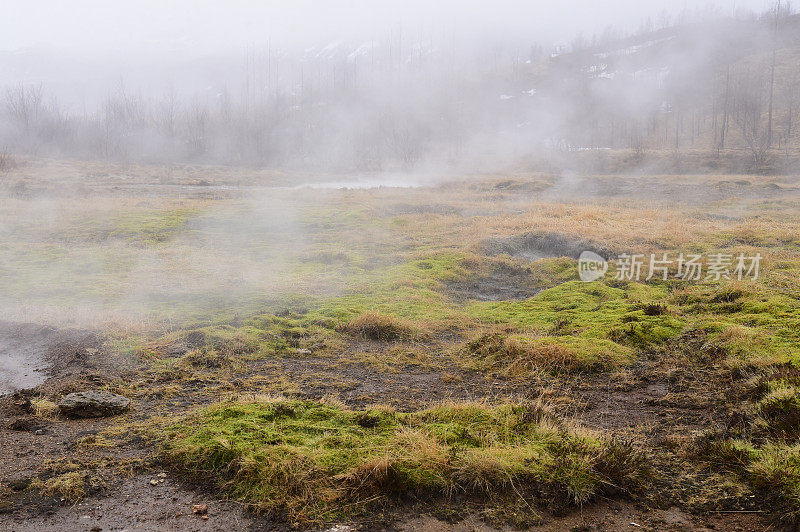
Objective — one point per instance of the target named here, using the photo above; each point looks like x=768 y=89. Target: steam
x=422 y=100
x=388 y=101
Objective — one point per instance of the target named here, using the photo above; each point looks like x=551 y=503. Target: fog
x=205 y=26
x=279 y=231
x=390 y=86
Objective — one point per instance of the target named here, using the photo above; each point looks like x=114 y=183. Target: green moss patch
x=751 y=321
x=313 y=461
x=590 y=324
x=140 y=227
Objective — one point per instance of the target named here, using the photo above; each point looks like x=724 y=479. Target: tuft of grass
x=318 y=461
x=779 y=410
x=44 y=409
x=519 y=354
x=776 y=472
x=773 y=470
x=380 y=327
x=71 y=486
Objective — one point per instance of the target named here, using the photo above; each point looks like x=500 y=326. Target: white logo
x=591 y=266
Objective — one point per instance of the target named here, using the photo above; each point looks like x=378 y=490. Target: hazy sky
x=206 y=25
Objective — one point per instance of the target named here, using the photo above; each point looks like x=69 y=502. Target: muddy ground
x=653 y=405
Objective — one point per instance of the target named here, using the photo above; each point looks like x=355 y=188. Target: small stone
x=200 y=509
x=93 y=403
x=154 y=482
x=39 y=432
x=303 y=352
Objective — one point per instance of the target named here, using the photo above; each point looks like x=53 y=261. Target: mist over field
x=355 y=265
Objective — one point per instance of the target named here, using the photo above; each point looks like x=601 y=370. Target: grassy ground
x=318 y=461
x=323 y=354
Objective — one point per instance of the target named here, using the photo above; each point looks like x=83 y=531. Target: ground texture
x=385 y=358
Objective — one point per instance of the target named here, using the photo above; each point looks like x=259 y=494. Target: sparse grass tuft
x=71 y=486
x=44 y=409
x=380 y=327
x=779 y=410
x=519 y=355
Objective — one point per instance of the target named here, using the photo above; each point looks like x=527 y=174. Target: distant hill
x=702 y=86
x=716 y=95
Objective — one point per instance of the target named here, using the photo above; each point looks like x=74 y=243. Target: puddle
x=23 y=351
x=495 y=288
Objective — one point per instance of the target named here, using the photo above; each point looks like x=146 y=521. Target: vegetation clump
x=318 y=461
x=779 y=410
x=380 y=327
x=773 y=470
x=72 y=486
x=519 y=354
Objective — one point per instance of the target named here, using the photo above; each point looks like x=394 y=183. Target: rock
x=200 y=509
x=93 y=403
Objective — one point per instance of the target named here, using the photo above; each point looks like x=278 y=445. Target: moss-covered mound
x=316 y=461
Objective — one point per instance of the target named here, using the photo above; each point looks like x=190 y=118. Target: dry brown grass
x=380 y=327
x=44 y=409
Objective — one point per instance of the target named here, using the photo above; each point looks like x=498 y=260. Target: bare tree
x=751 y=102
x=24 y=104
